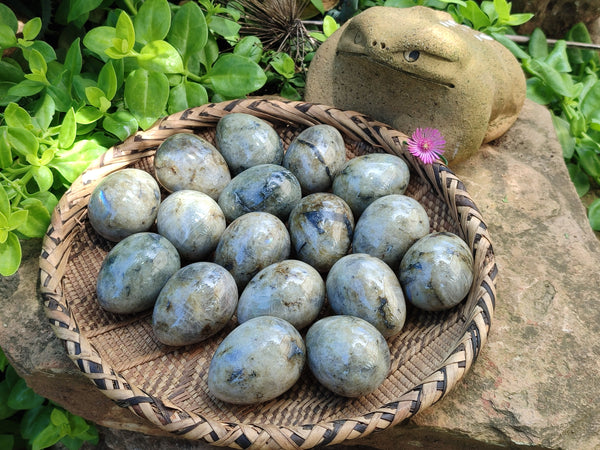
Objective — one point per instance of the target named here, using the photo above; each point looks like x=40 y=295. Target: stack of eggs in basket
x=313 y=255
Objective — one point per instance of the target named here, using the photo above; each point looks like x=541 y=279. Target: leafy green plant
x=63 y=111
x=567 y=80
x=28 y=420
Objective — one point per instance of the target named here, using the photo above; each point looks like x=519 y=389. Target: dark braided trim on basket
x=480 y=303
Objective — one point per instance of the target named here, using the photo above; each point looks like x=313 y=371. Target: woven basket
x=168 y=385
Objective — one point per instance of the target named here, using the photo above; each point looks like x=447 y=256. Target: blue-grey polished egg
x=267 y=187
x=186 y=161
x=364 y=286
x=366 y=178
x=123 y=203
x=250 y=243
x=316 y=156
x=347 y=355
x=258 y=361
x=436 y=272
x=134 y=271
x=192 y=221
x=194 y=304
x=290 y=289
x=245 y=141
x=321 y=227
x=389 y=226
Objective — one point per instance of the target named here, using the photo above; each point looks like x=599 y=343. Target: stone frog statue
x=415 y=68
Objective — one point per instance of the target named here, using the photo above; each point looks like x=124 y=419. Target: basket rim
x=168 y=416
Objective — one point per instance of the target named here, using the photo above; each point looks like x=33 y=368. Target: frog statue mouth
x=406 y=69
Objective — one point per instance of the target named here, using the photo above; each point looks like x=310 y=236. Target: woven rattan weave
x=168 y=385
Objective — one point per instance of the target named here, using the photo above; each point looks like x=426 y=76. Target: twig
x=572 y=44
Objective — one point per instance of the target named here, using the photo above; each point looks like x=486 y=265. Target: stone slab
x=536 y=382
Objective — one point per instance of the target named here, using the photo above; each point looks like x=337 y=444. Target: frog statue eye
x=412 y=55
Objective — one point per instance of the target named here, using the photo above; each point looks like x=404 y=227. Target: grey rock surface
x=536 y=382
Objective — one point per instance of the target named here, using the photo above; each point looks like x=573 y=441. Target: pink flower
x=427 y=144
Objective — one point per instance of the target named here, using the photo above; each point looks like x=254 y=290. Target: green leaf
x=22 y=141
x=8 y=18
x=318 y=4
x=152 y=22
x=23 y=397
x=207 y=57
x=3 y=230
x=186 y=95
x=45 y=49
x=47 y=437
x=34 y=421
x=589 y=161
x=594 y=214
x=107 y=80
x=73 y=59
x=32 y=28
x=224 y=27
x=590 y=105
x=94 y=96
x=48 y=199
x=249 y=47
x=99 y=39
x=15 y=116
x=579 y=178
x=4 y=202
x=329 y=26
x=580 y=33
x=514 y=48
x=60 y=91
x=44 y=113
x=160 y=56
x=518 y=19
x=37 y=63
x=125 y=31
x=43 y=177
x=189 y=32
x=81 y=7
x=6 y=157
x=10 y=70
x=17 y=218
x=87 y=115
x=475 y=15
x=550 y=76
x=71 y=163
x=7 y=36
x=68 y=130
x=502 y=8
x=235 y=76
x=558 y=58
x=538 y=45
x=26 y=88
x=10 y=257
x=5 y=386
x=58 y=418
x=146 y=96
x=283 y=64
x=567 y=142
x=38 y=218
x=121 y=123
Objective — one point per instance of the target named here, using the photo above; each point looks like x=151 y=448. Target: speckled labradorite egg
x=258 y=361
x=195 y=303
x=437 y=271
x=347 y=355
x=245 y=141
x=321 y=227
x=134 y=271
x=364 y=286
x=186 y=161
x=123 y=203
x=316 y=156
x=389 y=226
x=192 y=221
x=290 y=289
x=267 y=187
x=250 y=243
x=366 y=178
